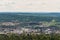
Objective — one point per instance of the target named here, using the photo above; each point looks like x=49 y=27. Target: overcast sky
x=29 y=5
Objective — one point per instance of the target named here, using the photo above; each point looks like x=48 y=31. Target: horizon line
x=29 y=12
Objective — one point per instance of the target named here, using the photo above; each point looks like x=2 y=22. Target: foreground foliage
x=30 y=37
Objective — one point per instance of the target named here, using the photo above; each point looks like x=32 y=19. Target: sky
x=29 y=5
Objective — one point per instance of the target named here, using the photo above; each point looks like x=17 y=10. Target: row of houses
x=29 y=30
x=35 y=27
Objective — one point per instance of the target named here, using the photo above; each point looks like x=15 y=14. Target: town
x=29 y=27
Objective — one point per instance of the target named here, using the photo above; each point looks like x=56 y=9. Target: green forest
x=29 y=37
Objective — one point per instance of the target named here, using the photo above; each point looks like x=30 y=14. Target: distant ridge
x=28 y=13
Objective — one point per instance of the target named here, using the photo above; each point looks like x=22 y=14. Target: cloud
x=29 y=5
